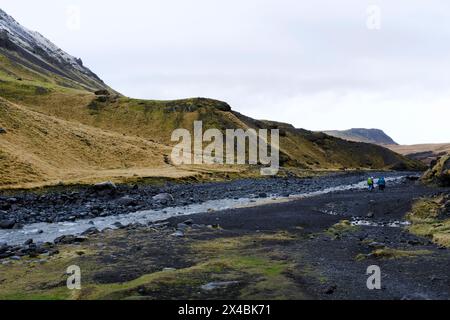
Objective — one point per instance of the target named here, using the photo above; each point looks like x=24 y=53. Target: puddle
x=47 y=232
x=391 y=224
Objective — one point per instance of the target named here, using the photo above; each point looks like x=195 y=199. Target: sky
x=318 y=65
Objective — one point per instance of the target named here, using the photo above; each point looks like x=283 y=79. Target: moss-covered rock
x=439 y=173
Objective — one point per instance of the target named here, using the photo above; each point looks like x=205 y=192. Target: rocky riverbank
x=311 y=248
x=107 y=199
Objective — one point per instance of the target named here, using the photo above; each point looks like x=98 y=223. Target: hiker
x=381 y=183
x=370 y=183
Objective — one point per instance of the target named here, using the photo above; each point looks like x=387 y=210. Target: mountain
x=425 y=153
x=36 y=53
x=375 y=136
x=56 y=126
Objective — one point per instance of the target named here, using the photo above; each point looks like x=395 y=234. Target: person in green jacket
x=370 y=183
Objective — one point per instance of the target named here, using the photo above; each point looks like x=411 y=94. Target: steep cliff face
x=33 y=51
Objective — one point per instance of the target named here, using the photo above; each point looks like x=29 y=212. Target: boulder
x=7 y=224
x=163 y=198
x=127 y=201
x=90 y=231
x=439 y=174
x=107 y=185
x=178 y=234
x=2 y=130
x=102 y=92
x=69 y=239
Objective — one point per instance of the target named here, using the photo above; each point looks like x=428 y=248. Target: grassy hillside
x=58 y=131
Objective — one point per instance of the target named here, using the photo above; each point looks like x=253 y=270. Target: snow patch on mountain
x=36 y=44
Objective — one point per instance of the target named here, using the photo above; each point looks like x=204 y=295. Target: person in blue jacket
x=381 y=183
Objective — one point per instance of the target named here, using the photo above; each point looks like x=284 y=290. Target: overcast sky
x=316 y=64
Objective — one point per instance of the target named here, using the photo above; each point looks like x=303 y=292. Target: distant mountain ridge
x=375 y=136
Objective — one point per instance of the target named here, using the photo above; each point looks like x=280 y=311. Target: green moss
x=389 y=253
x=425 y=221
x=340 y=228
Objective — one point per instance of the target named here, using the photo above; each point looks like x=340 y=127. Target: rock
x=370 y=215
x=118 y=225
x=178 y=234
x=7 y=224
x=69 y=239
x=169 y=269
x=262 y=195
x=127 y=201
x=163 y=198
x=439 y=174
x=102 y=92
x=2 y=130
x=182 y=226
x=413 y=242
x=90 y=231
x=28 y=242
x=330 y=289
x=218 y=285
x=377 y=245
x=16 y=258
x=4 y=248
x=102 y=98
x=107 y=185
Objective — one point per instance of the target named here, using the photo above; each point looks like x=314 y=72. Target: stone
x=2 y=130
x=178 y=234
x=377 y=245
x=102 y=92
x=182 y=226
x=163 y=198
x=7 y=224
x=118 y=225
x=70 y=239
x=262 y=195
x=330 y=289
x=218 y=285
x=127 y=201
x=107 y=185
x=90 y=231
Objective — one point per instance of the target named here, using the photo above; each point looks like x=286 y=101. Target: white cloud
x=313 y=64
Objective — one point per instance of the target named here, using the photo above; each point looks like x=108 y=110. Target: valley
x=317 y=247
x=88 y=182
